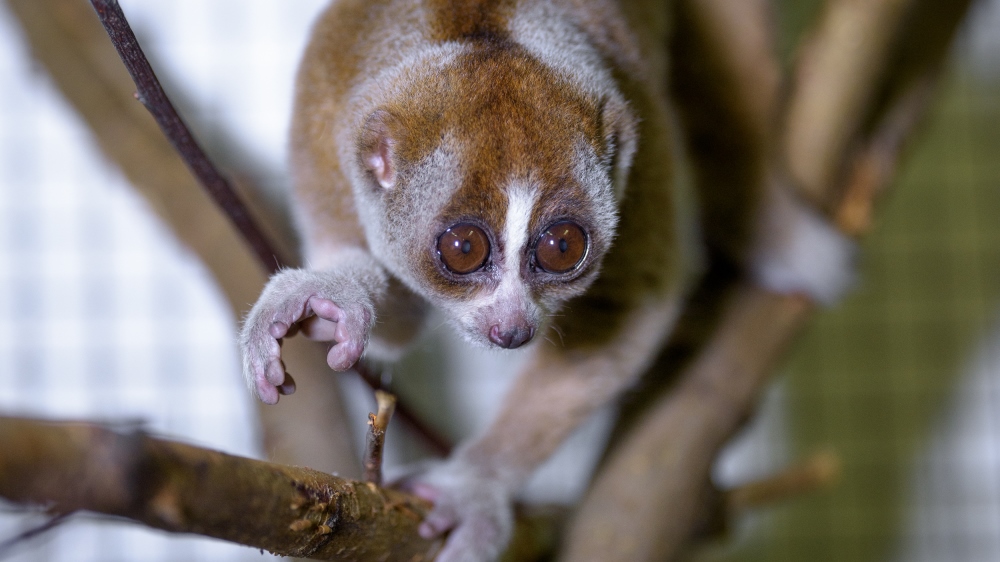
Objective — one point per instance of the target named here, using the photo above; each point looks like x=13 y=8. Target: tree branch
x=438 y=444
x=377 y=425
x=184 y=489
x=151 y=94
x=817 y=472
x=849 y=72
x=836 y=76
x=656 y=481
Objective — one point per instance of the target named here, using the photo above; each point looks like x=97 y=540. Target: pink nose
x=511 y=338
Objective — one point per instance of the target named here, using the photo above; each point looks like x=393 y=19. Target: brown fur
x=469 y=19
x=513 y=113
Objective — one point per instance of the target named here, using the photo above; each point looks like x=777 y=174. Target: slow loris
x=512 y=163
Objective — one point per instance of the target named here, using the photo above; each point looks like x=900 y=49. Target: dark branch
x=53 y=522
x=151 y=94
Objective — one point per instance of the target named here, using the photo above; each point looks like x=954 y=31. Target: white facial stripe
x=520 y=202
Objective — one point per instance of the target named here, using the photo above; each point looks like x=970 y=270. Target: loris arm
x=555 y=392
x=341 y=298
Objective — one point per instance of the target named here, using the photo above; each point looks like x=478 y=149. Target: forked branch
x=653 y=490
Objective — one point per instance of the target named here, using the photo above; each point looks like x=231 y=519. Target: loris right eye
x=561 y=247
x=463 y=248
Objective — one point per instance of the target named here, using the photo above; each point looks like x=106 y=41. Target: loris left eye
x=463 y=248
x=561 y=247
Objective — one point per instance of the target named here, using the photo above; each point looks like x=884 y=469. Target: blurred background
x=105 y=316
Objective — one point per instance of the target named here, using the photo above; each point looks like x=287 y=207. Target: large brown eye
x=463 y=248
x=561 y=247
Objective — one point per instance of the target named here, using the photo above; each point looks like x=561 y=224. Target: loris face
x=488 y=187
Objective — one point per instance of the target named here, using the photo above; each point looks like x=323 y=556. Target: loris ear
x=376 y=148
x=618 y=126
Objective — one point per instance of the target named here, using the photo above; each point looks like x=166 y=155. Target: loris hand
x=332 y=307
x=468 y=501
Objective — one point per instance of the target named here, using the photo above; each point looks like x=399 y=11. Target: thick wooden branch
x=185 y=489
x=738 y=42
x=652 y=492
x=724 y=81
x=836 y=76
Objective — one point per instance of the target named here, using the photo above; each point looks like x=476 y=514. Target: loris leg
x=556 y=391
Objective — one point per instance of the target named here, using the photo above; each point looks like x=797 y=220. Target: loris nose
x=511 y=338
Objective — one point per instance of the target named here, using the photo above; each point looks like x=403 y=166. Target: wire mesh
x=104 y=316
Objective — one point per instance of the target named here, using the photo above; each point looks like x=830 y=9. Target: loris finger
x=319 y=329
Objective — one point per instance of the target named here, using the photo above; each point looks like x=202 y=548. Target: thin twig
x=8 y=545
x=439 y=444
x=151 y=94
x=818 y=472
x=377 y=425
x=876 y=162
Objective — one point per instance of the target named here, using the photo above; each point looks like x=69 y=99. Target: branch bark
x=836 y=77
x=378 y=423
x=859 y=60
x=657 y=481
x=184 y=489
